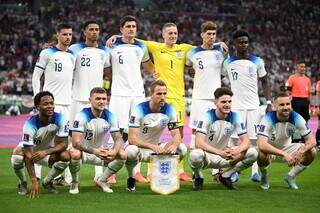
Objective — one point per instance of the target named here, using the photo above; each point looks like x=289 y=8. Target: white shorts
x=290 y=149
x=198 y=108
x=251 y=118
x=213 y=160
x=63 y=109
x=77 y=106
x=122 y=106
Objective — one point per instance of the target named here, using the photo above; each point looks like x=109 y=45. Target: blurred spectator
x=283 y=31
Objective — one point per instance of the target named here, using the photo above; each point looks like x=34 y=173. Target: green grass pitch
x=214 y=198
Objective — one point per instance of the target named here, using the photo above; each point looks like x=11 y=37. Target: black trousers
x=301 y=106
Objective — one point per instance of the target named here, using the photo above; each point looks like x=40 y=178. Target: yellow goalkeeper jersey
x=169 y=63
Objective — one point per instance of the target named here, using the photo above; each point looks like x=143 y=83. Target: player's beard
x=162 y=103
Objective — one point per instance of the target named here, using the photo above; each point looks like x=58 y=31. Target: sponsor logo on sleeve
x=76 y=124
x=262 y=128
x=26 y=137
x=132 y=119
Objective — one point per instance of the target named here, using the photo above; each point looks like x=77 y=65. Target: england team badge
x=179 y=54
x=164 y=174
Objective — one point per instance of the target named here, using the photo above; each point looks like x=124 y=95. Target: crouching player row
x=212 y=139
x=44 y=141
x=89 y=131
x=146 y=125
x=274 y=141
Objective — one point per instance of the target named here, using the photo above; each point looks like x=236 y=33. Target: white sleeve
x=64 y=128
x=188 y=59
x=36 y=83
x=261 y=69
x=135 y=118
x=203 y=124
x=146 y=56
x=78 y=123
x=301 y=125
x=173 y=122
x=38 y=71
x=28 y=134
x=224 y=70
x=239 y=125
x=264 y=126
x=107 y=62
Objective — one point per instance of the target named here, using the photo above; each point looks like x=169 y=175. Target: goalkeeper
x=88 y=133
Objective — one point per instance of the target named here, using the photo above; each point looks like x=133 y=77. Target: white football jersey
x=94 y=129
x=126 y=61
x=243 y=75
x=218 y=132
x=280 y=133
x=207 y=65
x=58 y=68
x=90 y=64
x=40 y=137
x=150 y=124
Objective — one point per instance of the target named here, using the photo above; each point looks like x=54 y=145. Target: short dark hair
x=127 y=18
x=157 y=83
x=222 y=91
x=86 y=24
x=208 y=25
x=168 y=24
x=99 y=90
x=37 y=98
x=63 y=26
x=240 y=33
x=281 y=95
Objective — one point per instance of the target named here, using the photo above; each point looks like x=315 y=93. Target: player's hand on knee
x=36 y=156
x=297 y=156
x=290 y=160
x=111 y=154
x=170 y=148
x=158 y=149
x=100 y=152
x=224 y=154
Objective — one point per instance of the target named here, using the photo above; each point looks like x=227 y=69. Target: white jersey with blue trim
x=208 y=66
x=94 y=129
x=243 y=75
x=151 y=124
x=279 y=132
x=57 y=67
x=40 y=136
x=218 y=132
x=126 y=62
x=90 y=64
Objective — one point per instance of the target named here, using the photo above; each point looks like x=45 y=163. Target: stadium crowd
x=283 y=32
